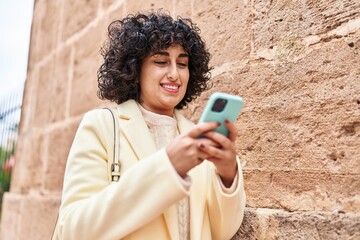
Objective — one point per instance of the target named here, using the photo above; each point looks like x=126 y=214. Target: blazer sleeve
x=93 y=208
x=226 y=210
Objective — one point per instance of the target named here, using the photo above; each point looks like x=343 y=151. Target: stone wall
x=296 y=64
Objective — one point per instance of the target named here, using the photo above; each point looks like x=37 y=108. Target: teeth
x=170 y=87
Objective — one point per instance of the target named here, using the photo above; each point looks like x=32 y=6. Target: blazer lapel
x=134 y=127
x=140 y=137
x=170 y=216
x=137 y=133
x=197 y=203
x=184 y=124
x=143 y=144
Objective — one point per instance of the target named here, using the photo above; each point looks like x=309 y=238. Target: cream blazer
x=142 y=204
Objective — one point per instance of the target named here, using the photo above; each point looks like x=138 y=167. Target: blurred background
x=15 y=26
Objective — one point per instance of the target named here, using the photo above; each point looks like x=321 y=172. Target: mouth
x=170 y=87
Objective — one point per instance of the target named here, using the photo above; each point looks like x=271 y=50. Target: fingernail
x=226 y=121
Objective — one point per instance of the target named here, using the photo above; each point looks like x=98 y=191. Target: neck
x=169 y=112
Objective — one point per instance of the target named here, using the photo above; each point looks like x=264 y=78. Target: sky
x=15 y=27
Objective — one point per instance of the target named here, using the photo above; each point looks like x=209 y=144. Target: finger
x=232 y=130
x=207 y=141
x=202 y=155
x=218 y=138
x=210 y=152
x=218 y=156
x=202 y=128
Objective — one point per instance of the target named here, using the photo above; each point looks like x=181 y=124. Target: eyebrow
x=181 y=55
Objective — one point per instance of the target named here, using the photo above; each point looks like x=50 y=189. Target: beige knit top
x=163 y=130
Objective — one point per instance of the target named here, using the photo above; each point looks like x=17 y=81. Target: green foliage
x=5 y=176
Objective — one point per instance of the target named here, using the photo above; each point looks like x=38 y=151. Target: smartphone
x=221 y=106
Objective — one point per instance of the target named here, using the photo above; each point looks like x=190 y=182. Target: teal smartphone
x=221 y=106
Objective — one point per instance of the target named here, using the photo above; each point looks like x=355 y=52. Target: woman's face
x=163 y=80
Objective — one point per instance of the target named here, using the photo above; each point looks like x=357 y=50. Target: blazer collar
x=184 y=124
x=135 y=130
x=139 y=136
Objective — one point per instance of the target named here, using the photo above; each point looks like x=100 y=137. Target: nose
x=173 y=73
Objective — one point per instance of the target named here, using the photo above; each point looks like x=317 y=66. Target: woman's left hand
x=224 y=155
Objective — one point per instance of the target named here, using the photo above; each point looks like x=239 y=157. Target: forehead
x=175 y=49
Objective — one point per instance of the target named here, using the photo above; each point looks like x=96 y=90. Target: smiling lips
x=170 y=87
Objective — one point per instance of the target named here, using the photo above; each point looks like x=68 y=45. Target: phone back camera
x=219 y=105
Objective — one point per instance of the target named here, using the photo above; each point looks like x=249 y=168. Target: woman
x=153 y=66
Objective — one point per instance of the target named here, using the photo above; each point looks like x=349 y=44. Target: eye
x=182 y=64
x=160 y=62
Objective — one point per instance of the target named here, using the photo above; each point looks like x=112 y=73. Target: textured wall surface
x=296 y=64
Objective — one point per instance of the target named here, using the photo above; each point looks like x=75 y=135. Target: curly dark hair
x=134 y=38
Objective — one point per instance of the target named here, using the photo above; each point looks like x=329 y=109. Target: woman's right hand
x=185 y=151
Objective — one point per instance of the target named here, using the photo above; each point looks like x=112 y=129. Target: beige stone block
x=274 y=224
x=116 y=14
x=277 y=24
x=178 y=8
x=28 y=216
x=58 y=145
x=300 y=190
x=28 y=102
x=313 y=225
x=50 y=92
x=105 y=4
x=38 y=216
x=225 y=28
x=87 y=62
x=133 y=7
x=183 y=8
x=10 y=216
x=194 y=109
x=44 y=94
x=61 y=79
x=44 y=32
x=32 y=54
x=28 y=173
x=16 y=174
x=77 y=15
x=33 y=168
x=250 y=227
x=298 y=143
